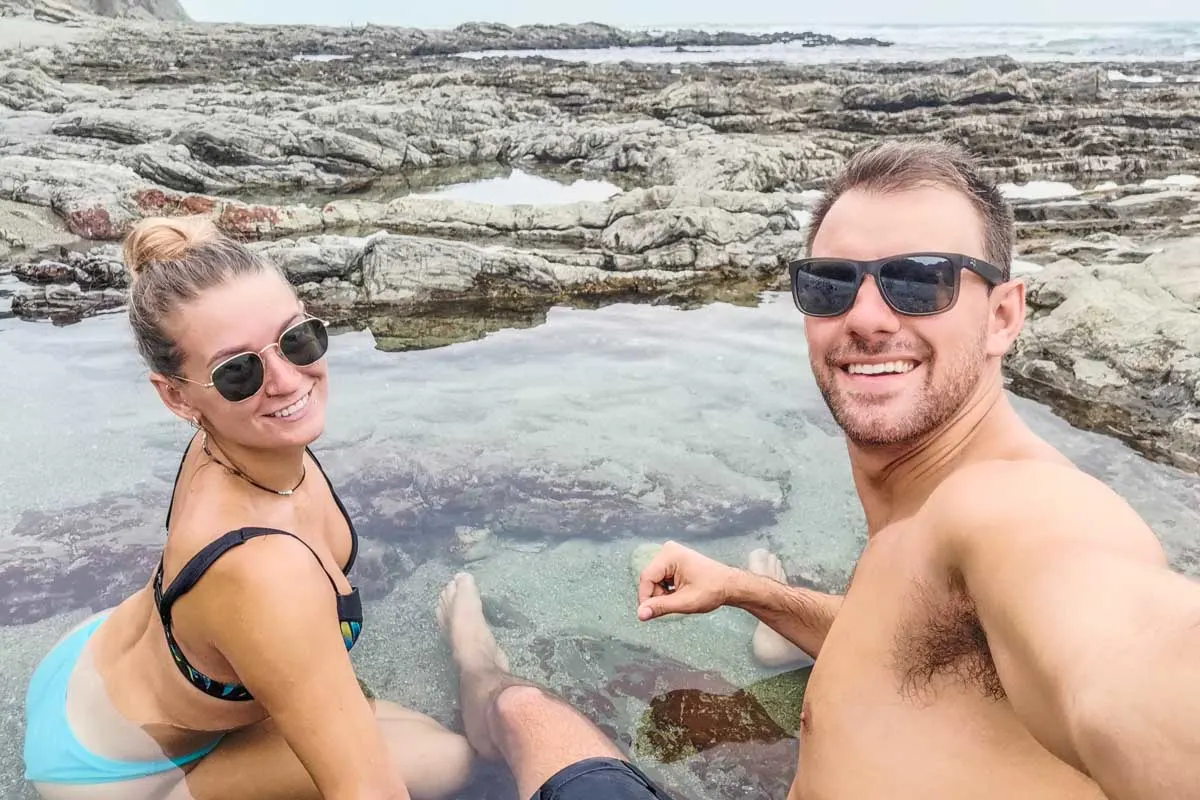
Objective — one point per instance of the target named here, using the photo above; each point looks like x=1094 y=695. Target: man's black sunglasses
x=240 y=377
x=914 y=284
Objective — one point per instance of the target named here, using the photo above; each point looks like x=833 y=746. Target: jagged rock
x=637 y=242
x=1115 y=347
x=1172 y=212
x=74 y=10
x=1103 y=247
x=88 y=270
x=29 y=228
x=986 y=87
x=64 y=303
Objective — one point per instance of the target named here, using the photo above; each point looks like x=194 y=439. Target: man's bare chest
x=907 y=630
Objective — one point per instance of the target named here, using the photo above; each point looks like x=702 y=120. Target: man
x=1011 y=629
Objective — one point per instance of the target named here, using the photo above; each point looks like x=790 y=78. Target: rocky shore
x=314 y=143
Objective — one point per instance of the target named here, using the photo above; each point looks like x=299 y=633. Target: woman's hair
x=171 y=260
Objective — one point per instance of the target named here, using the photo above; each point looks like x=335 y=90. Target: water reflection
x=523 y=188
x=453 y=322
x=492 y=182
x=541 y=458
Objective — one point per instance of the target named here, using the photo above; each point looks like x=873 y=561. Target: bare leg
x=257 y=764
x=536 y=733
x=771 y=649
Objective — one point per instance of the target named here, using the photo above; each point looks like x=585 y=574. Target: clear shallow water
x=1099 y=42
x=570 y=443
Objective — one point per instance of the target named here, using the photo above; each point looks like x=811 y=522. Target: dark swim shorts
x=600 y=779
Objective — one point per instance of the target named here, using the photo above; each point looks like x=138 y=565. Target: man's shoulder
x=1016 y=502
x=1003 y=478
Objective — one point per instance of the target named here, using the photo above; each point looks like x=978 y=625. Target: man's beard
x=914 y=415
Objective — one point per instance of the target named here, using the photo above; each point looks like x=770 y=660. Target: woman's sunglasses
x=913 y=284
x=240 y=377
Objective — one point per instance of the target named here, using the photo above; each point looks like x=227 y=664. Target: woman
x=228 y=675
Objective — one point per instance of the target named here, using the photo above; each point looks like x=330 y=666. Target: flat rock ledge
x=423 y=252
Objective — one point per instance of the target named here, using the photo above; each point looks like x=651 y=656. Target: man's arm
x=802 y=616
x=1095 y=640
x=678 y=580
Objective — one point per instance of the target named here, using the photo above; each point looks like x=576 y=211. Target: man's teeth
x=293 y=408
x=898 y=367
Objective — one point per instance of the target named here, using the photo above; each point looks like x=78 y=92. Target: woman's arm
x=268 y=608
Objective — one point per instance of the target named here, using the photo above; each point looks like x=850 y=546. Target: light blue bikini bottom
x=52 y=753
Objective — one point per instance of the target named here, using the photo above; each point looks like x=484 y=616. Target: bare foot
x=771 y=649
x=482 y=665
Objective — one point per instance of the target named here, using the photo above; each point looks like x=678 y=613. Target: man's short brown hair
x=897 y=165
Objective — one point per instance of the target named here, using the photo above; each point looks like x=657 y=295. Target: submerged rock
x=665 y=712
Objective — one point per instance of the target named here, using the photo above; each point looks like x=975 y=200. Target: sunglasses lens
x=239 y=378
x=305 y=343
x=919 y=284
x=825 y=288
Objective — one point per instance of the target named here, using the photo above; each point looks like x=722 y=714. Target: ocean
x=1126 y=42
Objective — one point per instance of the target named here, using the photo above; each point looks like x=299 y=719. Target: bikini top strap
x=175 y=485
x=199 y=563
x=336 y=499
x=341 y=508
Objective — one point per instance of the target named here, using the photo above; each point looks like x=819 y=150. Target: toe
x=774 y=568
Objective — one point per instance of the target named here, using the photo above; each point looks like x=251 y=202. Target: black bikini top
x=349 y=606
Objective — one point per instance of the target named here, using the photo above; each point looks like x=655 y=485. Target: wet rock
x=1113 y=347
x=88 y=270
x=782 y=697
x=68 y=303
x=685 y=722
x=666 y=712
x=75 y=10
x=90 y=556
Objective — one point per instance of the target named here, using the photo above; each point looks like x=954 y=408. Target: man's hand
x=681 y=581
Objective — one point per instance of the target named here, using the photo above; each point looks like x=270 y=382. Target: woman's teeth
x=294 y=407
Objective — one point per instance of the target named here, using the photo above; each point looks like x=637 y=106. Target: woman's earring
x=195 y=423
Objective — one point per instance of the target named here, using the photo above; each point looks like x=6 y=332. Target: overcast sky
x=446 y=13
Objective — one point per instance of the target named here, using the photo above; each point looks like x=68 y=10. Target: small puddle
x=499 y=184
x=523 y=188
